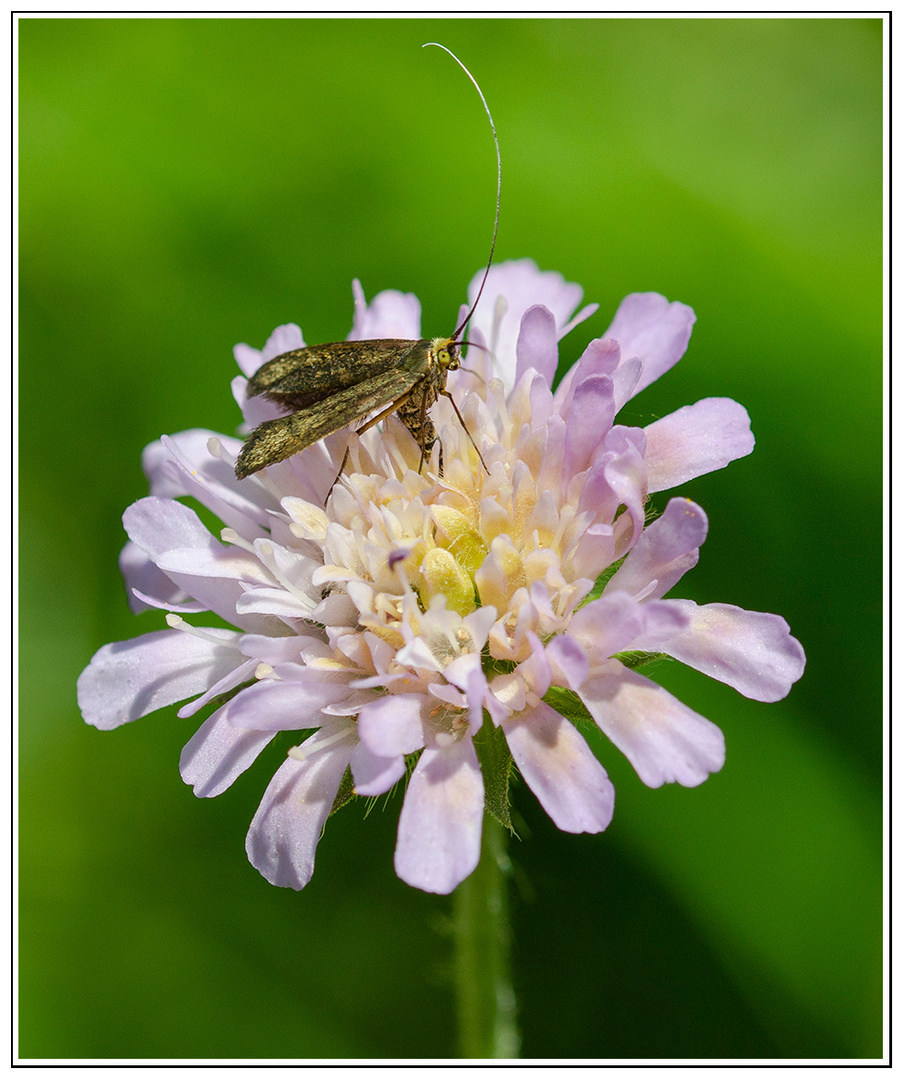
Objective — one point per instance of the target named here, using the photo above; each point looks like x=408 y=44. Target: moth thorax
x=445 y=350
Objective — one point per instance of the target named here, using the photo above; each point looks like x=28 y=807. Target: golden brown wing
x=275 y=440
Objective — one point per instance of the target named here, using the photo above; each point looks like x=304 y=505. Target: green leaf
x=568 y=704
x=602 y=581
x=497 y=766
x=635 y=660
x=346 y=792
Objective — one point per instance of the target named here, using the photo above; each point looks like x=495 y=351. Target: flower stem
x=487 y=1026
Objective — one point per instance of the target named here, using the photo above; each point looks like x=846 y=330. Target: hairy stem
x=487 y=1024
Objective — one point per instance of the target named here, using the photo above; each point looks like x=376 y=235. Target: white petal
x=218 y=753
x=285 y=830
x=440 y=824
x=391 y=314
x=392 y=725
x=287 y=705
x=238 y=675
x=182 y=464
x=274 y=601
x=147 y=586
x=129 y=679
x=375 y=775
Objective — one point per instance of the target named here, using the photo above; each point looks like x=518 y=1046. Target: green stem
x=487 y=1026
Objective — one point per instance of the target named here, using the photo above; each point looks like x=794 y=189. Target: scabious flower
x=448 y=623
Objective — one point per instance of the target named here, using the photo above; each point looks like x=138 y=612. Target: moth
x=327 y=387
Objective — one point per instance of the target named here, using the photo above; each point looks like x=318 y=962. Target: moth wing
x=276 y=440
x=303 y=377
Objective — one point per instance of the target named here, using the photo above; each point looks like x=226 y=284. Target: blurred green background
x=188 y=184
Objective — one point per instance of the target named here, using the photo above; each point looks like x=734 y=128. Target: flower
x=444 y=624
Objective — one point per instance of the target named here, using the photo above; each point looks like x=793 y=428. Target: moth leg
x=414 y=416
x=461 y=420
x=382 y=415
x=360 y=431
x=427 y=433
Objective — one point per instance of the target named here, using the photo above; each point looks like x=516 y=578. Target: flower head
x=447 y=622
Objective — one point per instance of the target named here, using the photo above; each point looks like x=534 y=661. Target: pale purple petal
x=549 y=476
x=247 y=358
x=163 y=526
x=511 y=288
x=391 y=314
x=459 y=671
x=417 y=654
x=541 y=403
x=155 y=525
x=256 y=409
x=477 y=696
x=536 y=671
x=625 y=379
x=243 y=673
x=129 y=679
x=560 y=769
x=217 y=576
x=288 y=704
x=375 y=775
x=593 y=552
x=284 y=339
x=147 y=586
x=148 y=603
x=182 y=464
x=664 y=740
x=282 y=650
x=626 y=474
x=309 y=475
x=218 y=753
x=695 y=440
x=597 y=497
x=589 y=420
x=442 y=817
x=608 y=625
x=569 y=664
x=285 y=830
x=478 y=625
x=601 y=357
x=392 y=725
x=750 y=650
x=537 y=345
x=647 y=326
x=666 y=550
x=213 y=560
x=274 y=601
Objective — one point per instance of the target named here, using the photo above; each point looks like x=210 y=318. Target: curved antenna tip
x=461 y=327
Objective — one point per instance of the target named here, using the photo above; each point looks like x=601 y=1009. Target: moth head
x=446 y=352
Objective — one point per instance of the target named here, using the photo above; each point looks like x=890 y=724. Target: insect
x=327 y=387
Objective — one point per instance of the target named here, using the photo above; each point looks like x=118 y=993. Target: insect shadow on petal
x=328 y=387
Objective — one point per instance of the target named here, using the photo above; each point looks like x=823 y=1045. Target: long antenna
x=486 y=272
